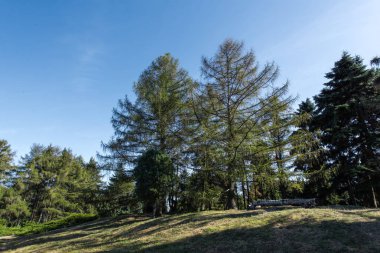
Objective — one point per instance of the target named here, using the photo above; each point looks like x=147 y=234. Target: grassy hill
x=270 y=230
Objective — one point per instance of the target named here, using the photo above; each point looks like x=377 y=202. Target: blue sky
x=64 y=64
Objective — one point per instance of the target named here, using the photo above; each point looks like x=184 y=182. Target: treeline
x=219 y=143
x=50 y=183
x=233 y=136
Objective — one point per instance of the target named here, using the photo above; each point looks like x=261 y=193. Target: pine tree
x=348 y=117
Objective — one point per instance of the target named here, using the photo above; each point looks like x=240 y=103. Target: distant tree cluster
x=219 y=143
x=50 y=183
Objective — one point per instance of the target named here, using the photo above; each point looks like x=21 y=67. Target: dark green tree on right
x=348 y=116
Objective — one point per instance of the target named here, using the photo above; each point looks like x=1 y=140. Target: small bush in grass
x=34 y=228
x=3 y=222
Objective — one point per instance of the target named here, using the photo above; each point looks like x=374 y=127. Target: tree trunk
x=154 y=209
x=238 y=201
x=247 y=187
x=373 y=192
x=248 y=192
x=203 y=196
x=243 y=190
x=159 y=208
x=231 y=201
x=352 y=193
x=41 y=215
x=159 y=211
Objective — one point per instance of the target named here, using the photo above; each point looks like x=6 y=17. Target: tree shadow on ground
x=145 y=226
x=76 y=232
x=363 y=214
x=326 y=236
x=52 y=236
x=281 y=234
x=192 y=219
x=45 y=239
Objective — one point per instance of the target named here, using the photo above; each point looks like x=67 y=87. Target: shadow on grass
x=363 y=214
x=145 y=226
x=280 y=234
x=50 y=236
x=326 y=236
x=194 y=220
x=46 y=239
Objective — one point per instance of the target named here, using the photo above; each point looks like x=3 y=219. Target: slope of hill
x=270 y=230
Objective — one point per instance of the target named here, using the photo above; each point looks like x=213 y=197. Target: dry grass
x=270 y=230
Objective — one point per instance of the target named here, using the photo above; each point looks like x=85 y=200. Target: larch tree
x=237 y=98
x=56 y=181
x=6 y=160
x=309 y=154
x=157 y=120
x=280 y=121
x=13 y=208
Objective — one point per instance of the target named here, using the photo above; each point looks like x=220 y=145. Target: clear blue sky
x=64 y=64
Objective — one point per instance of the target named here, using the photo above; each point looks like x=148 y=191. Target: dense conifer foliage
x=348 y=116
x=50 y=183
x=220 y=142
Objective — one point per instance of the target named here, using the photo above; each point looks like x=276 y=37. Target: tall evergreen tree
x=349 y=120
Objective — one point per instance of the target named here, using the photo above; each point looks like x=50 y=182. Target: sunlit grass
x=280 y=230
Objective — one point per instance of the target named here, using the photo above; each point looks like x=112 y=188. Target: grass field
x=270 y=230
